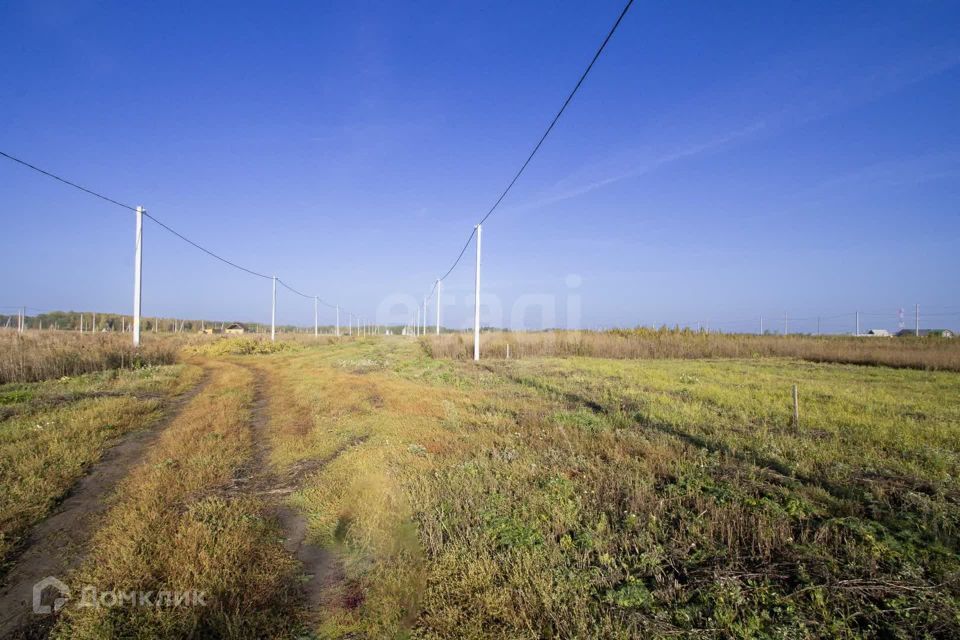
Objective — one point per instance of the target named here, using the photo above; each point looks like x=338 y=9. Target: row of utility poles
x=362 y=328
x=786 y=323
x=137 y=297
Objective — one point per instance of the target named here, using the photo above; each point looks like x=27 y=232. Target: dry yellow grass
x=44 y=355
x=52 y=432
x=176 y=528
x=915 y=353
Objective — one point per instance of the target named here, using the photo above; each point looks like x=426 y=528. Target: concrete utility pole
x=424 y=316
x=338 y=321
x=316 y=327
x=417 y=330
x=137 y=265
x=858 y=322
x=438 y=307
x=786 y=324
x=273 y=312
x=476 y=303
x=916 y=330
x=81 y=323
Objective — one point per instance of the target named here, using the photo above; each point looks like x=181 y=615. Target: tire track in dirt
x=56 y=545
x=321 y=568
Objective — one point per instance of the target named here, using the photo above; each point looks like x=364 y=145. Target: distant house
x=878 y=333
x=924 y=333
x=235 y=328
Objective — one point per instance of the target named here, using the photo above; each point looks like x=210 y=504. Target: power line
x=156 y=220
x=553 y=123
x=205 y=250
x=65 y=181
x=566 y=102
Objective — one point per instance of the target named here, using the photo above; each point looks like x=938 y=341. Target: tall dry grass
x=915 y=353
x=44 y=355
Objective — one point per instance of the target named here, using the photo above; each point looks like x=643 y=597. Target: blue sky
x=722 y=161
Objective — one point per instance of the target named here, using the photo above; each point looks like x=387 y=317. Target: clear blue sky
x=722 y=161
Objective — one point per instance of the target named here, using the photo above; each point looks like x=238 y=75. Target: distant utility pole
x=137 y=265
x=416 y=331
x=338 y=321
x=818 y=325
x=438 y=307
x=858 y=322
x=273 y=312
x=916 y=330
x=786 y=324
x=81 y=323
x=476 y=303
x=316 y=327
x=761 y=325
x=424 y=316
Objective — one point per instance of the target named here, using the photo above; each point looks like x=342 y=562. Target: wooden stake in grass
x=796 y=407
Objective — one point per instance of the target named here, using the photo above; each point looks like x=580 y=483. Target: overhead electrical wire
x=154 y=219
x=536 y=147
x=67 y=182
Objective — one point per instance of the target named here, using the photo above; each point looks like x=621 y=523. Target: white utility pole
x=476 y=303
x=137 y=264
x=916 y=330
x=438 y=307
x=858 y=322
x=81 y=323
x=424 y=316
x=786 y=324
x=273 y=312
x=316 y=327
x=416 y=331
x=338 y=321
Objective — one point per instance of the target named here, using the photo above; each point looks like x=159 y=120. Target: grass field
x=53 y=431
x=540 y=497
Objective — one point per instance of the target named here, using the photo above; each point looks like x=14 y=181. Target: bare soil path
x=320 y=568
x=56 y=545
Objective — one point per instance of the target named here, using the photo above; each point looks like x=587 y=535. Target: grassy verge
x=51 y=432
x=599 y=498
x=175 y=527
